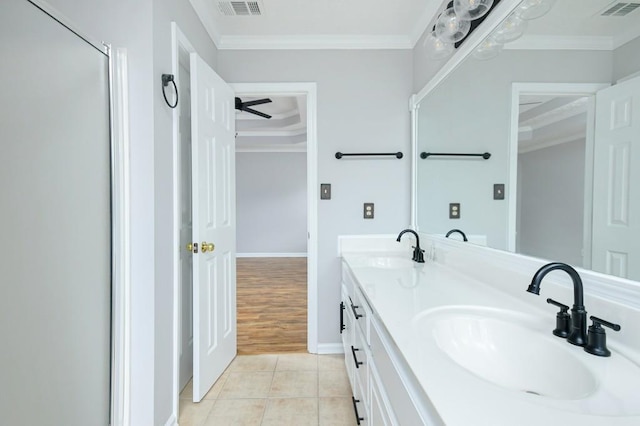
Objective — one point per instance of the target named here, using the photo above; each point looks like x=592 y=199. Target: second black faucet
x=418 y=253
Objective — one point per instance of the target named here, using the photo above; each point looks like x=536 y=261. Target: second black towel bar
x=424 y=155
x=339 y=155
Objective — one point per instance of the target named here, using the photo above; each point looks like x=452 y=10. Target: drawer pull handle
x=342 y=327
x=355 y=359
x=355 y=409
x=355 y=313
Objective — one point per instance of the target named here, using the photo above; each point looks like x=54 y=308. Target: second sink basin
x=499 y=347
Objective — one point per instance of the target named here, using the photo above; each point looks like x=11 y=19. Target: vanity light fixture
x=512 y=28
x=436 y=48
x=472 y=9
x=489 y=48
x=533 y=9
x=450 y=28
x=454 y=24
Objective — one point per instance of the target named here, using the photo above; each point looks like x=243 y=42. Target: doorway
x=271 y=208
x=181 y=318
x=549 y=204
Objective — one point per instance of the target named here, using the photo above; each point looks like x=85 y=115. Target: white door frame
x=310 y=91
x=517 y=89
x=179 y=42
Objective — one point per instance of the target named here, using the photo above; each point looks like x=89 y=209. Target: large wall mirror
x=559 y=112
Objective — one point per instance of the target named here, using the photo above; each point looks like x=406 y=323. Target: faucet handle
x=597 y=340
x=418 y=254
x=563 y=319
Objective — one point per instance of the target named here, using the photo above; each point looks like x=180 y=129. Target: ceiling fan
x=244 y=106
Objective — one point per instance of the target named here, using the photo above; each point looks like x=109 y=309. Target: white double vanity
x=458 y=340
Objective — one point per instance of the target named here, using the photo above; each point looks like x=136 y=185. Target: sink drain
x=532 y=392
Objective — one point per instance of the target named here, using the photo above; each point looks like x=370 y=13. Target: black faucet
x=453 y=231
x=418 y=253
x=578 y=335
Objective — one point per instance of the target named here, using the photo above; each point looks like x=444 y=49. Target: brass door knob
x=192 y=247
x=207 y=247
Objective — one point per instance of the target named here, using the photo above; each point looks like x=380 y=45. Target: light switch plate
x=454 y=210
x=498 y=191
x=325 y=191
x=368 y=210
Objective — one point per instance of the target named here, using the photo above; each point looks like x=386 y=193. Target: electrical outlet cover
x=368 y=210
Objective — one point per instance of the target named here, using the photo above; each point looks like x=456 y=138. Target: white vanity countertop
x=400 y=296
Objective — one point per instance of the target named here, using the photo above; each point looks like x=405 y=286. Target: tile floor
x=275 y=390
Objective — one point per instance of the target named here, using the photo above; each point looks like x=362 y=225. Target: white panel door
x=616 y=181
x=214 y=225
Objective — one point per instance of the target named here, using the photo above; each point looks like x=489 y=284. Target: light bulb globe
x=533 y=9
x=488 y=49
x=471 y=9
x=510 y=29
x=437 y=49
x=450 y=28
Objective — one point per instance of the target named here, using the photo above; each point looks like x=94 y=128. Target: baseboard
x=172 y=421
x=271 y=254
x=330 y=348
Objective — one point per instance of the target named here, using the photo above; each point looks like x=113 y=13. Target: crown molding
x=428 y=16
x=542 y=42
x=535 y=144
x=579 y=106
x=626 y=37
x=314 y=42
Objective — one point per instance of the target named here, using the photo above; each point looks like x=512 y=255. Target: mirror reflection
x=559 y=112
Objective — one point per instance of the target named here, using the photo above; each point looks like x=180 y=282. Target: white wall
x=362 y=107
x=271 y=202
x=127 y=24
x=470 y=112
x=551 y=198
x=626 y=59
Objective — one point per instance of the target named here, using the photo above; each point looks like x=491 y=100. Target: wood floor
x=272 y=305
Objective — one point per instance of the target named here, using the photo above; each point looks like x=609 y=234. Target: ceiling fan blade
x=256 y=102
x=253 y=111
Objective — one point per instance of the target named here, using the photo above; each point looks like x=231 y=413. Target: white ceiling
x=320 y=23
x=579 y=24
x=546 y=120
x=375 y=24
x=285 y=131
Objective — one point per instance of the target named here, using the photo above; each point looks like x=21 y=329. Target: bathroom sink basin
x=502 y=347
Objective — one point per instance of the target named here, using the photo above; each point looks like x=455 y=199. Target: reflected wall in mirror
x=572 y=190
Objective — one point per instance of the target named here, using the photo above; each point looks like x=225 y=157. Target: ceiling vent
x=240 y=8
x=620 y=9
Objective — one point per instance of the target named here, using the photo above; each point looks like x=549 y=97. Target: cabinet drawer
x=364 y=311
x=360 y=407
x=347 y=337
x=361 y=358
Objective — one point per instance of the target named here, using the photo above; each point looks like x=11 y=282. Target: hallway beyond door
x=272 y=305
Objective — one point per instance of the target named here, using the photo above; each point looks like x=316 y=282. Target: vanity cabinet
x=380 y=394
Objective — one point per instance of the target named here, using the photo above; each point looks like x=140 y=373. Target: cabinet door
x=379 y=414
